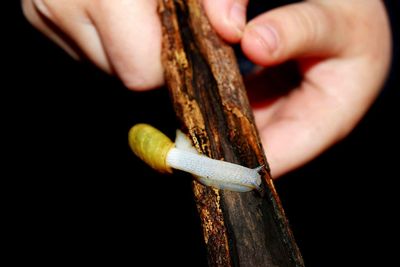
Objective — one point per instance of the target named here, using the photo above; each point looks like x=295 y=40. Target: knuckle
x=310 y=20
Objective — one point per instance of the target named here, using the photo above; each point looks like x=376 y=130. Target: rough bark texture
x=207 y=91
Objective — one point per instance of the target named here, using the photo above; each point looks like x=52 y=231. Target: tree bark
x=210 y=101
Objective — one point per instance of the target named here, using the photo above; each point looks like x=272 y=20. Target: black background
x=78 y=195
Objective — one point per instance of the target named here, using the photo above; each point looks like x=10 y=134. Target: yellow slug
x=158 y=151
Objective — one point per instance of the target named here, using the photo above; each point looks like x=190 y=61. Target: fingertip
x=142 y=80
x=131 y=34
x=261 y=43
x=284 y=158
x=294 y=31
x=228 y=17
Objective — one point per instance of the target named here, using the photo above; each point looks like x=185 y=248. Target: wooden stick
x=210 y=101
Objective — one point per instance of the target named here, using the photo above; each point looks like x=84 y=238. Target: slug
x=158 y=151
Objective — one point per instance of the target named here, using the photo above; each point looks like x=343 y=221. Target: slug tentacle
x=159 y=152
x=184 y=143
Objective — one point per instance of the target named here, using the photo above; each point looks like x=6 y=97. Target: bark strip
x=210 y=101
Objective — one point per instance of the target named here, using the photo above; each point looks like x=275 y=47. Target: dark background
x=78 y=195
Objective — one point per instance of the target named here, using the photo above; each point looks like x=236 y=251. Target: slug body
x=160 y=153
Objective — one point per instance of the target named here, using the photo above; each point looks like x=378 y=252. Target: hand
x=343 y=50
x=121 y=37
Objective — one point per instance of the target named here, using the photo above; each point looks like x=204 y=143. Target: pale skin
x=343 y=48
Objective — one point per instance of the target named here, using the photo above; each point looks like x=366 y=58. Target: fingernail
x=41 y=6
x=237 y=17
x=267 y=36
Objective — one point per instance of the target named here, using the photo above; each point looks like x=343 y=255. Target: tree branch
x=210 y=101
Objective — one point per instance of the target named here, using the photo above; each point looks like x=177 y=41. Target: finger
x=40 y=22
x=68 y=18
x=335 y=93
x=298 y=128
x=131 y=34
x=293 y=31
x=228 y=17
x=121 y=37
x=331 y=100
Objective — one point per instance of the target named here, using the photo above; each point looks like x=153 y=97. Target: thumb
x=228 y=17
x=293 y=31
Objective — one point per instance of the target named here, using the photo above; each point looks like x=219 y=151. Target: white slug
x=159 y=152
